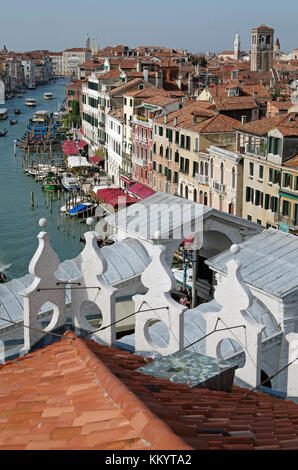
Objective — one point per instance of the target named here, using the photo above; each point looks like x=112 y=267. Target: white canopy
x=75 y=161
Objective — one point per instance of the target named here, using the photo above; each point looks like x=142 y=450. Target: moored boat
x=70 y=182
x=50 y=183
x=80 y=209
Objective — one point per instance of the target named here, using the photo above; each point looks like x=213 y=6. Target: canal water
x=18 y=220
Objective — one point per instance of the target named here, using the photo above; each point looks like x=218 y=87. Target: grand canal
x=18 y=220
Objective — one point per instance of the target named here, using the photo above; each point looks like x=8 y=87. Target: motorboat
x=70 y=182
x=30 y=102
x=80 y=209
x=48 y=96
x=3 y=133
x=50 y=183
x=70 y=205
x=31 y=86
x=3 y=114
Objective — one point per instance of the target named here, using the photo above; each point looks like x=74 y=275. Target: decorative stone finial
x=157 y=235
x=43 y=222
x=90 y=221
x=235 y=249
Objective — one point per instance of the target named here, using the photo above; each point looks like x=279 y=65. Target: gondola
x=13 y=121
x=17 y=111
x=3 y=133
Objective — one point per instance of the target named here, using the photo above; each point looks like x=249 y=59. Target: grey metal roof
x=136 y=220
x=125 y=259
x=268 y=261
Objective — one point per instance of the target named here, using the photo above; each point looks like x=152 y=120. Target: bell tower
x=261 y=49
x=237 y=47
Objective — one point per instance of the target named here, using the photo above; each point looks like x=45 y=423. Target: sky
x=194 y=25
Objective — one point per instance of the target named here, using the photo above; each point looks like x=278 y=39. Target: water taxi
x=30 y=102
x=40 y=117
x=48 y=96
x=3 y=113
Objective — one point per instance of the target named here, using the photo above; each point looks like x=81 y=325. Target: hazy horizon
x=195 y=26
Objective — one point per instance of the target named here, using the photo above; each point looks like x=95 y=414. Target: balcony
x=256 y=150
x=293 y=223
x=141 y=120
x=221 y=188
x=202 y=179
x=139 y=162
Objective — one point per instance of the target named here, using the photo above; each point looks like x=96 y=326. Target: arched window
x=181 y=189
x=222 y=171
x=201 y=197
x=206 y=169
x=186 y=192
x=201 y=168
x=233 y=178
x=268 y=39
x=161 y=151
x=211 y=168
x=205 y=199
x=195 y=195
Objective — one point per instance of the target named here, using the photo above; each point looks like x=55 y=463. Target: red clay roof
x=77 y=394
x=64 y=397
x=292 y=163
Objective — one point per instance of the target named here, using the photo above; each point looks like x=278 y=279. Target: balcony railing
x=202 y=179
x=256 y=150
x=139 y=161
x=221 y=188
x=142 y=120
x=279 y=217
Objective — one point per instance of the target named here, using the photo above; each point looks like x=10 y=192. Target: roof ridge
x=155 y=430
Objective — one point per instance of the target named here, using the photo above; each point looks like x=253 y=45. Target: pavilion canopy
x=76 y=161
x=69 y=148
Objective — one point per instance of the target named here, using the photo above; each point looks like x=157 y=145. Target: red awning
x=96 y=159
x=126 y=180
x=140 y=190
x=81 y=131
x=81 y=144
x=69 y=148
x=115 y=197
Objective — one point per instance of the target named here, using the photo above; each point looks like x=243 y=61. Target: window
x=267 y=202
x=222 y=171
x=211 y=168
x=261 y=172
x=249 y=217
x=249 y=194
x=187 y=146
x=233 y=178
x=287 y=180
x=176 y=156
x=274 y=204
x=182 y=141
x=286 y=208
x=196 y=144
x=161 y=151
x=160 y=131
x=194 y=168
x=259 y=222
x=186 y=169
x=251 y=169
x=130 y=103
x=182 y=164
x=259 y=198
x=177 y=137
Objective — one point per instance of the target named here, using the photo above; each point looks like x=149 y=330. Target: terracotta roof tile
x=107 y=404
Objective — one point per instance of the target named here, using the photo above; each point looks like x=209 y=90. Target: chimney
x=139 y=66
x=243 y=119
x=175 y=121
x=183 y=101
x=145 y=73
x=165 y=119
